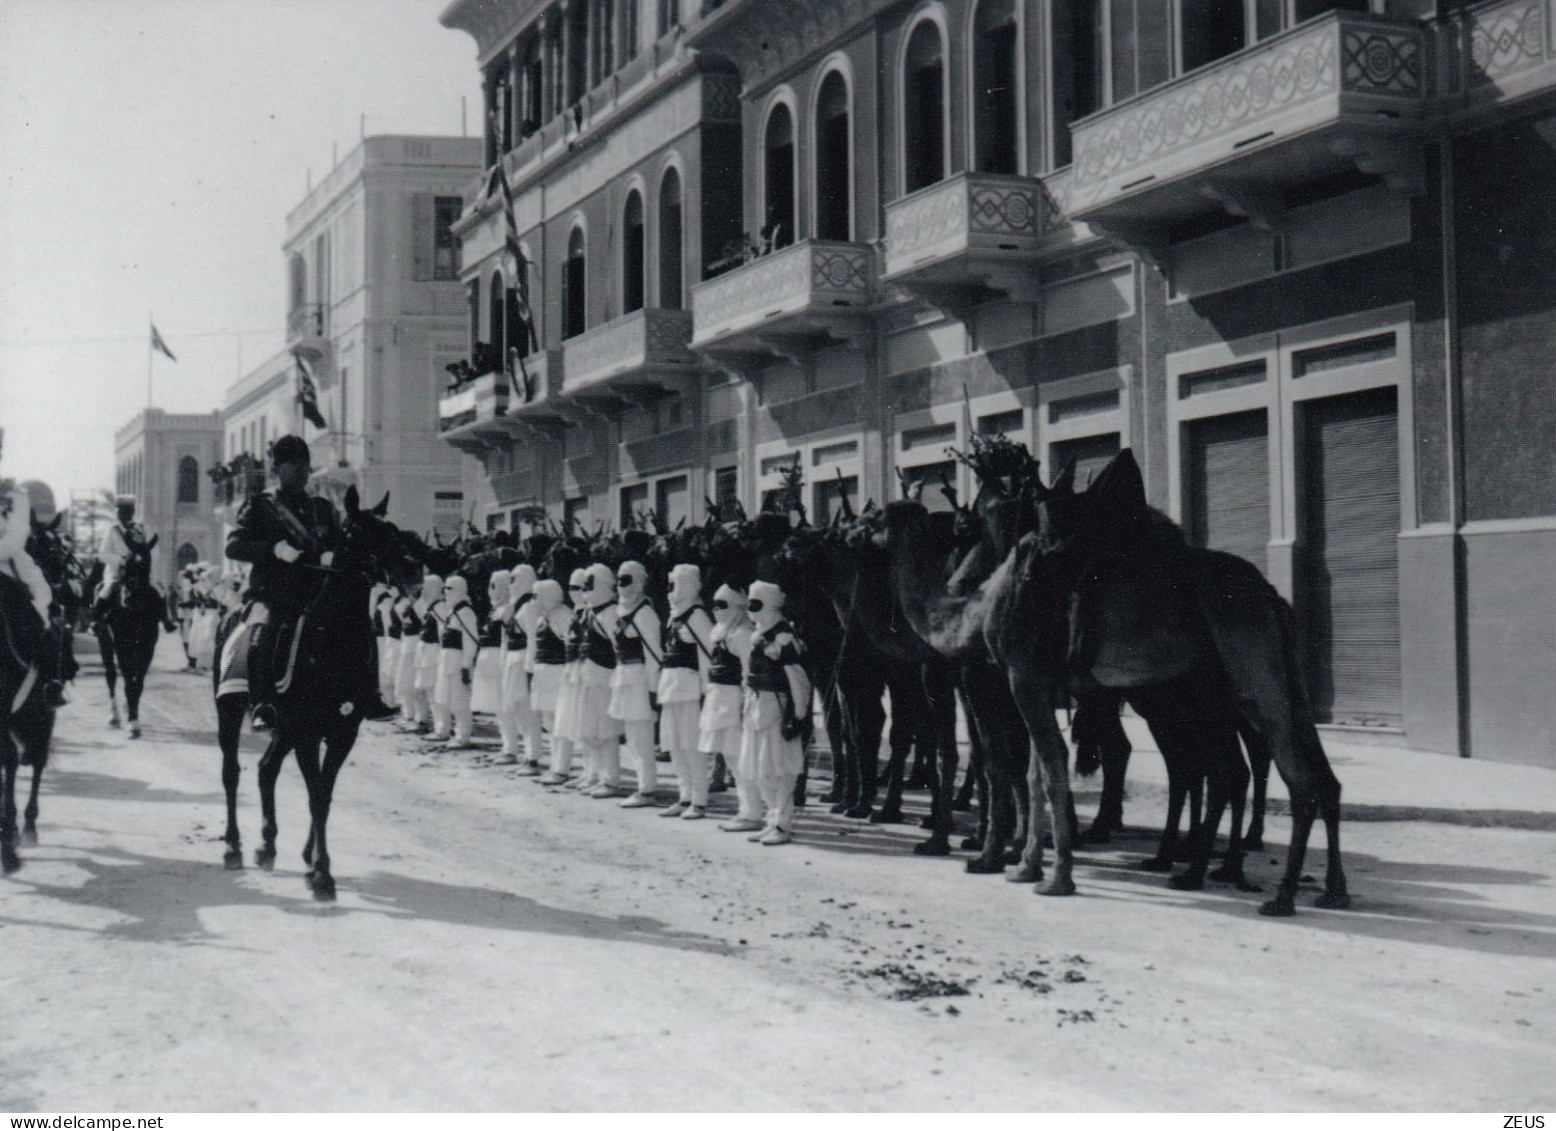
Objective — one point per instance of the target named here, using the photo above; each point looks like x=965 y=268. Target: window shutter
x=423 y=234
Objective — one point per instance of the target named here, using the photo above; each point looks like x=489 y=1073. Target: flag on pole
x=308 y=393
x=158 y=344
x=518 y=373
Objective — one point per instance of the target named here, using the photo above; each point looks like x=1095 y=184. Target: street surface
x=497 y=946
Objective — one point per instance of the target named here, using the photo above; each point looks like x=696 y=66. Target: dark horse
x=127 y=632
x=26 y=719
x=314 y=703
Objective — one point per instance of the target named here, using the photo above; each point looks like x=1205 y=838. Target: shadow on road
x=161 y=900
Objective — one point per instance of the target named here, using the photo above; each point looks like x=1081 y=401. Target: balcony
x=468 y=417
x=641 y=353
x=1498 y=53
x=306 y=327
x=1345 y=90
x=961 y=241
x=791 y=301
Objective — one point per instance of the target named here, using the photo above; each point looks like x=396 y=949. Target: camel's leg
x=845 y=753
x=1231 y=869
x=1259 y=764
x=907 y=720
x=990 y=698
x=943 y=768
x=1336 y=894
x=1223 y=761
x=869 y=717
x=1048 y=778
x=229 y=729
x=270 y=769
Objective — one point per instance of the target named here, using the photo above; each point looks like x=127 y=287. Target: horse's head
x=372 y=545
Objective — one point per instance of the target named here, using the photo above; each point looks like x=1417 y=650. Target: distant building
x=41 y=496
x=162 y=458
x=375 y=310
x=254 y=412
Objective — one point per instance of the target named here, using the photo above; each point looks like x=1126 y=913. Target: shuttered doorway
x=1349 y=597
x=1228 y=485
x=1090 y=453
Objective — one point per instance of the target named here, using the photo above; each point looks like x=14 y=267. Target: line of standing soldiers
x=607 y=670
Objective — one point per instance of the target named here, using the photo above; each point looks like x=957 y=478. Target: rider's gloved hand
x=287 y=552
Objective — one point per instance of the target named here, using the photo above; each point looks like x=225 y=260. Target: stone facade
x=1301 y=268
x=162 y=459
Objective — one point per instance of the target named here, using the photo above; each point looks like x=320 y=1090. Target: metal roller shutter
x=1227 y=504
x=1090 y=453
x=1350 y=576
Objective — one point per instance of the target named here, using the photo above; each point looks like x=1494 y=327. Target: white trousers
x=640 y=744
x=778 y=797
x=694 y=770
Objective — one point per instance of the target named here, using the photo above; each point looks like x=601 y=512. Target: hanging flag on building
x=158 y=344
x=518 y=373
x=308 y=393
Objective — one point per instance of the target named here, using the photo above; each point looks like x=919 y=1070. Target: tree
x=92 y=513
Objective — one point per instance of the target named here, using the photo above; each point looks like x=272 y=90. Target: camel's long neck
x=919 y=578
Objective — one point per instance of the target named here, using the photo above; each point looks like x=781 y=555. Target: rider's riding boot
x=261 y=681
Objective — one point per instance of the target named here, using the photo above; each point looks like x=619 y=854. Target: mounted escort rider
x=35 y=641
x=126 y=538
x=281 y=534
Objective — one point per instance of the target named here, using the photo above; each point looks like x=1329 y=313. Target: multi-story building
x=1291 y=252
x=255 y=411
x=162 y=458
x=376 y=311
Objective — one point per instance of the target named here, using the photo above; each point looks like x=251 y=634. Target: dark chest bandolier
x=628 y=640
x=724 y=666
x=378 y=620
x=680 y=652
x=429 y=627
x=410 y=623
x=491 y=633
x=453 y=637
x=765 y=673
x=549 y=648
x=577 y=633
x=596 y=645
x=518 y=639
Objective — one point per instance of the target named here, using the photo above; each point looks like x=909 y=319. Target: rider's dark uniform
x=309 y=524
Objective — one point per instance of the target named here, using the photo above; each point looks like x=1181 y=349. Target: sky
x=149 y=153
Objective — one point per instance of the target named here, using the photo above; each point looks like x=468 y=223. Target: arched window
x=833 y=216
x=923 y=108
x=574 y=290
x=778 y=147
x=473 y=297
x=995 y=90
x=632 y=255
x=187 y=555
x=188 y=480
x=297 y=283
x=670 y=251
x=494 y=319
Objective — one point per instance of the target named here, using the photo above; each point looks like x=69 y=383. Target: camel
x=1128 y=605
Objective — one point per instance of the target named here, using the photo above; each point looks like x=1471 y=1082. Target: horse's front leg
x=269 y=770
x=30 y=821
x=9 y=760
x=321 y=795
x=229 y=727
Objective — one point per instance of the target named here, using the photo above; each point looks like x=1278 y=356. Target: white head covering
x=456 y=589
x=602 y=585
x=497 y=587
x=575 y=584
x=635 y=588
x=522 y=579
x=548 y=594
x=431 y=587
x=735 y=605
x=685 y=586
x=771 y=599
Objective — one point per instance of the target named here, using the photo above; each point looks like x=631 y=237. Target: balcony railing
x=468 y=416
x=1341 y=74
x=786 y=290
x=633 y=344
x=1500 y=51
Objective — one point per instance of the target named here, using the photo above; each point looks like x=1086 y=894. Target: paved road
x=496 y=946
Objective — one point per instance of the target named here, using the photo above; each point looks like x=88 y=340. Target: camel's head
x=1115 y=498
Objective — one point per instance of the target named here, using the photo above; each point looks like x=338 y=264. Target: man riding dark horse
x=34 y=640
x=126 y=539
x=286 y=535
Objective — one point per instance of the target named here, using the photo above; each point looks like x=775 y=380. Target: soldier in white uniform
x=548 y=669
x=635 y=682
x=405 y=665
x=598 y=733
x=431 y=610
x=564 y=739
x=777 y=712
x=513 y=610
x=381 y=602
x=687 y=651
x=722 y=706
x=459 y=645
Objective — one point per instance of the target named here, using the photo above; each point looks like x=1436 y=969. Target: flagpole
x=150 y=362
